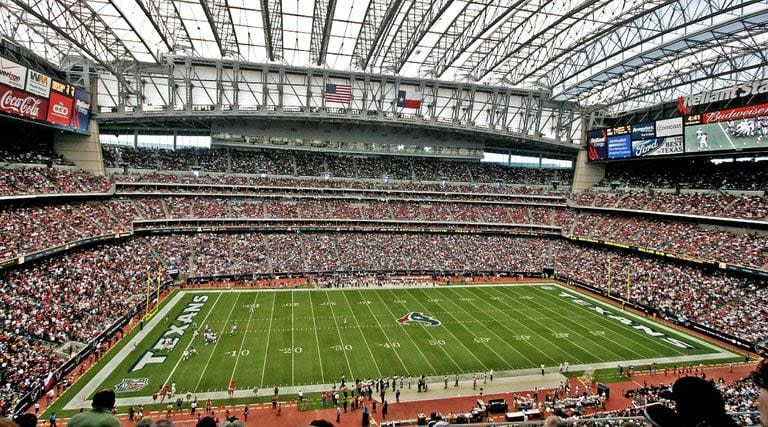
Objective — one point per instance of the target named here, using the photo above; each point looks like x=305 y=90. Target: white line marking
x=726 y=134
x=220 y=338
x=317 y=339
x=266 y=350
x=191 y=340
x=365 y=340
x=338 y=331
x=245 y=334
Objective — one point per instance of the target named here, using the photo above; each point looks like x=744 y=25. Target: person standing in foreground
x=100 y=415
x=760 y=378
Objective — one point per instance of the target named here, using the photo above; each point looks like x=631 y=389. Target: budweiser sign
x=684 y=103
x=22 y=104
x=734 y=114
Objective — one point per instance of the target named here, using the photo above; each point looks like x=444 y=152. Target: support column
x=82 y=150
x=585 y=173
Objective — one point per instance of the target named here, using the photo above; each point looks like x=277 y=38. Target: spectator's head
x=206 y=422
x=554 y=421
x=164 y=422
x=104 y=399
x=760 y=378
x=26 y=420
x=698 y=403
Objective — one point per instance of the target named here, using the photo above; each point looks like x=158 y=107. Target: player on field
x=232 y=388
x=703 y=139
x=762 y=125
x=233 y=329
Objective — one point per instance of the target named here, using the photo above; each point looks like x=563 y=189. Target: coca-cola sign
x=22 y=104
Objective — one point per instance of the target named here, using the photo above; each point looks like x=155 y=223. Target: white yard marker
x=245 y=334
x=223 y=328
x=317 y=338
x=269 y=332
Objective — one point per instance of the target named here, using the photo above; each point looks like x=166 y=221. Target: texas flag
x=407 y=103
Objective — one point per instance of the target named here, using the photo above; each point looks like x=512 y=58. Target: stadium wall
x=585 y=173
x=83 y=150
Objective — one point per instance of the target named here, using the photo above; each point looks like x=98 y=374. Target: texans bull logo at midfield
x=417 y=317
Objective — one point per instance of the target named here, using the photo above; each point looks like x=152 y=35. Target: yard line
x=387 y=337
x=317 y=339
x=190 y=341
x=365 y=340
x=726 y=134
x=293 y=347
x=586 y=336
x=470 y=332
x=330 y=305
x=217 y=342
x=574 y=342
x=378 y=294
x=540 y=336
x=631 y=330
x=269 y=331
x=245 y=334
x=408 y=291
x=497 y=336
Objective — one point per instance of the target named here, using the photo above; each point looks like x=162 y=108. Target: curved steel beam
x=636 y=34
x=672 y=46
x=322 y=21
x=542 y=57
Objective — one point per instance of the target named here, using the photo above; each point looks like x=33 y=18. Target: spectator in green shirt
x=100 y=415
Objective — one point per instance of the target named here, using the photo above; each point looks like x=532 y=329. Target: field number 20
x=288 y=350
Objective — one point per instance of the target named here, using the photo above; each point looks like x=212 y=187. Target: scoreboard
x=645 y=139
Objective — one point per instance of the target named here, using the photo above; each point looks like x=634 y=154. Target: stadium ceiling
x=614 y=54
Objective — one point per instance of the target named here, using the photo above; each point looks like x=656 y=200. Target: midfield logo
x=417 y=317
x=131 y=384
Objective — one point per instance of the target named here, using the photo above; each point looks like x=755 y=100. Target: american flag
x=338 y=93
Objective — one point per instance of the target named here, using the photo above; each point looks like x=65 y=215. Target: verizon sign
x=22 y=104
x=12 y=74
x=684 y=103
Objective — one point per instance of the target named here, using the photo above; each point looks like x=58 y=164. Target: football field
x=309 y=338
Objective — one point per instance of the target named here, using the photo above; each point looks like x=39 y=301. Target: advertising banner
x=60 y=109
x=597 y=148
x=733 y=114
x=669 y=127
x=38 y=83
x=65 y=89
x=732 y=129
x=645 y=130
x=12 y=74
x=658 y=146
x=619 y=147
x=22 y=104
x=81 y=115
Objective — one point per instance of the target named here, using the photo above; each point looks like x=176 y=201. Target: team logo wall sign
x=416 y=317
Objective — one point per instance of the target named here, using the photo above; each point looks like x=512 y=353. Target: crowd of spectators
x=36 y=226
x=73 y=297
x=682 y=238
x=701 y=174
x=696 y=203
x=317 y=164
x=23 y=181
x=679 y=292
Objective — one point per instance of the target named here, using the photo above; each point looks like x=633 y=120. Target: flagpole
x=627 y=284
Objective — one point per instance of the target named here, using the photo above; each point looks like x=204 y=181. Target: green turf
x=313 y=337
